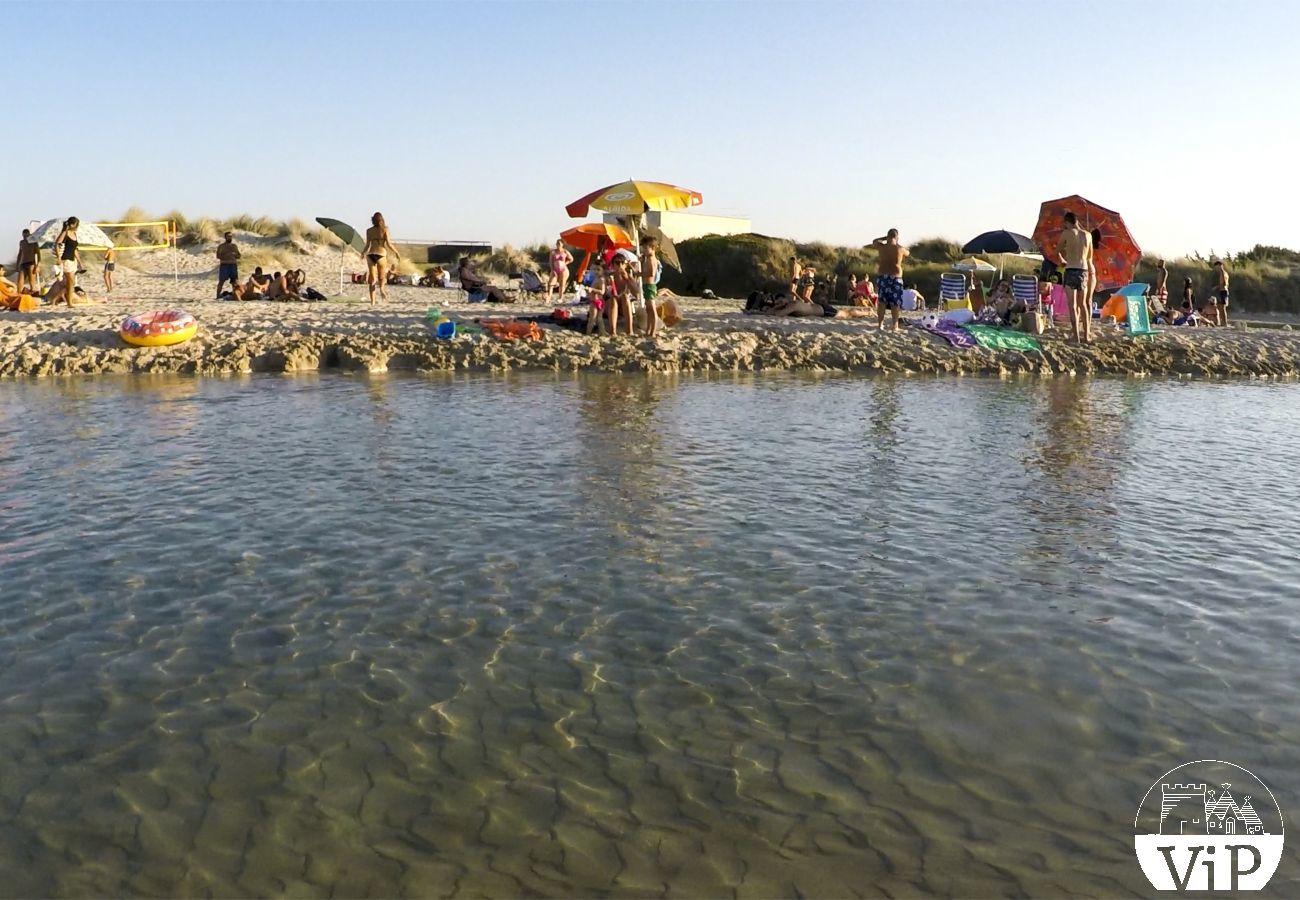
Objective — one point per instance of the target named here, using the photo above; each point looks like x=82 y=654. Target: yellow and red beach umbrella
x=594 y=237
x=1115 y=256
x=632 y=198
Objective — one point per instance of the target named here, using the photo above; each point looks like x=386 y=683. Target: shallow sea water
x=751 y=636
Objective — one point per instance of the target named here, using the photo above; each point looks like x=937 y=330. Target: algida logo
x=1209 y=825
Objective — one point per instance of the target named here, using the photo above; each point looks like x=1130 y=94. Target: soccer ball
x=930 y=321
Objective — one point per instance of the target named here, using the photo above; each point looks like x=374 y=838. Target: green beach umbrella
x=348 y=235
x=344 y=232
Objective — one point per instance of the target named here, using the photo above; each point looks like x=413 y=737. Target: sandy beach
x=346 y=333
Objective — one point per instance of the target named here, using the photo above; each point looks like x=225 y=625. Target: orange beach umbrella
x=1115 y=256
x=590 y=237
x=632 y=198
x=593 y=237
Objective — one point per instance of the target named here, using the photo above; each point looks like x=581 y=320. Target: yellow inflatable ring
x=159 y=329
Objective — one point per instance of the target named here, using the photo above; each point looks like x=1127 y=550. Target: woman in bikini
x=560 y=260
x=378 y=246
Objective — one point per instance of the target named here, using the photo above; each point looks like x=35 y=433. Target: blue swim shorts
x=228 y=271
x=1076 y=278
x=890 y=289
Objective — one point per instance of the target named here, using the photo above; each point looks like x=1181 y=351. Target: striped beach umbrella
x=89 y=237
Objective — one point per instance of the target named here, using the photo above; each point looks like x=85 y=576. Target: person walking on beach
x=1220 y=294
x=110 y=265
x=1075 y=248
x=227 y=262
x=66 y=252
x=378 y=246
x=29 y=263
x=889 y=276
x=649 y=286
x=561 y=258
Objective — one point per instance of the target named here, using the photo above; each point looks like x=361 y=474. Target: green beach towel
x=995 y=338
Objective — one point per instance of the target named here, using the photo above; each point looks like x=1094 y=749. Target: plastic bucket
x=446 y=330
x=433 y=314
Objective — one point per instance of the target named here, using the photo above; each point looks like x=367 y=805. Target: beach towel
x=1060 y=302
x=512 y=329
x=949 y=331
x=994 y=338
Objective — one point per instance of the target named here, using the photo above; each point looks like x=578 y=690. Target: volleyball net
x=162 y=233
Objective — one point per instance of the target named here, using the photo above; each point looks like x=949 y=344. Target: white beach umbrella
x=89 y=237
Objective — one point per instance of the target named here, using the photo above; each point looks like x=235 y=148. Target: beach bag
x=313 y=294
x=670 y=312
x=1032 y=322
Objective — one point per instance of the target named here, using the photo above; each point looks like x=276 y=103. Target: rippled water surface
x=579 y=636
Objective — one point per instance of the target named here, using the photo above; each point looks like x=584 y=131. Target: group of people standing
x=67 y=256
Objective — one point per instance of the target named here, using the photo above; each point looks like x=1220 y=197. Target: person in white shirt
x=912 y=298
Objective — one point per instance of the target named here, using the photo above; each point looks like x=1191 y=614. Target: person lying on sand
x=792 y=306
x=55 y=295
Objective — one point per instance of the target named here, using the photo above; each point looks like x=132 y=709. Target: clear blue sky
x=819 y=120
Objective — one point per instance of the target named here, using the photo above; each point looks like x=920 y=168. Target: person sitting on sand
x=282 y=288
x=865 y=293
x=1002 y=299
x=912 y=298
x=477 y=286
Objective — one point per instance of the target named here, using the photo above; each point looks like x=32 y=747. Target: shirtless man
x=889 y=276
x=1162 y=283
x=29 y=264
x=1075 y=248
x=227 y=262
x=649 y=290
x=796 y=272
x=1220 y=293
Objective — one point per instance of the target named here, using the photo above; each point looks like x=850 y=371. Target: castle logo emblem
x=1209 y=825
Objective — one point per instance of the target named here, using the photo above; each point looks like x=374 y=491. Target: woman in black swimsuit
x=65 y=251
x=378 y=246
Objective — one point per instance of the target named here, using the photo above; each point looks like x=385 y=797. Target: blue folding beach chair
x=1138 y=317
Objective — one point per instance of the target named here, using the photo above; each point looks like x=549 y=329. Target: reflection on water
x=766 y=636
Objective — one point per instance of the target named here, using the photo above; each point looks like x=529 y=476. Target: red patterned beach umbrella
x=1116 y=256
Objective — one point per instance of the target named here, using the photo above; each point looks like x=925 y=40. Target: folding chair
x=1024 y=288
x=952 y=292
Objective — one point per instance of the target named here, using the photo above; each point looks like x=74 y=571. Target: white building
x=680 y=226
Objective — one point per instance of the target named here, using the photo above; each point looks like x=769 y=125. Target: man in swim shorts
x=650 y=290
x=1075 y=248
x=227 y=262
x=1220 y=293
x=29 y=261
x=889 y=276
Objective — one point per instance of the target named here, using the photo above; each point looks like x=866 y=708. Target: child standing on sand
x=597 y=296
x=110 y=263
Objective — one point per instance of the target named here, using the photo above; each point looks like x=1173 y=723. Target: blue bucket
x=446 y=330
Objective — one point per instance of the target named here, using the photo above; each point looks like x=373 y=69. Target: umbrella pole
x=342 y=251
